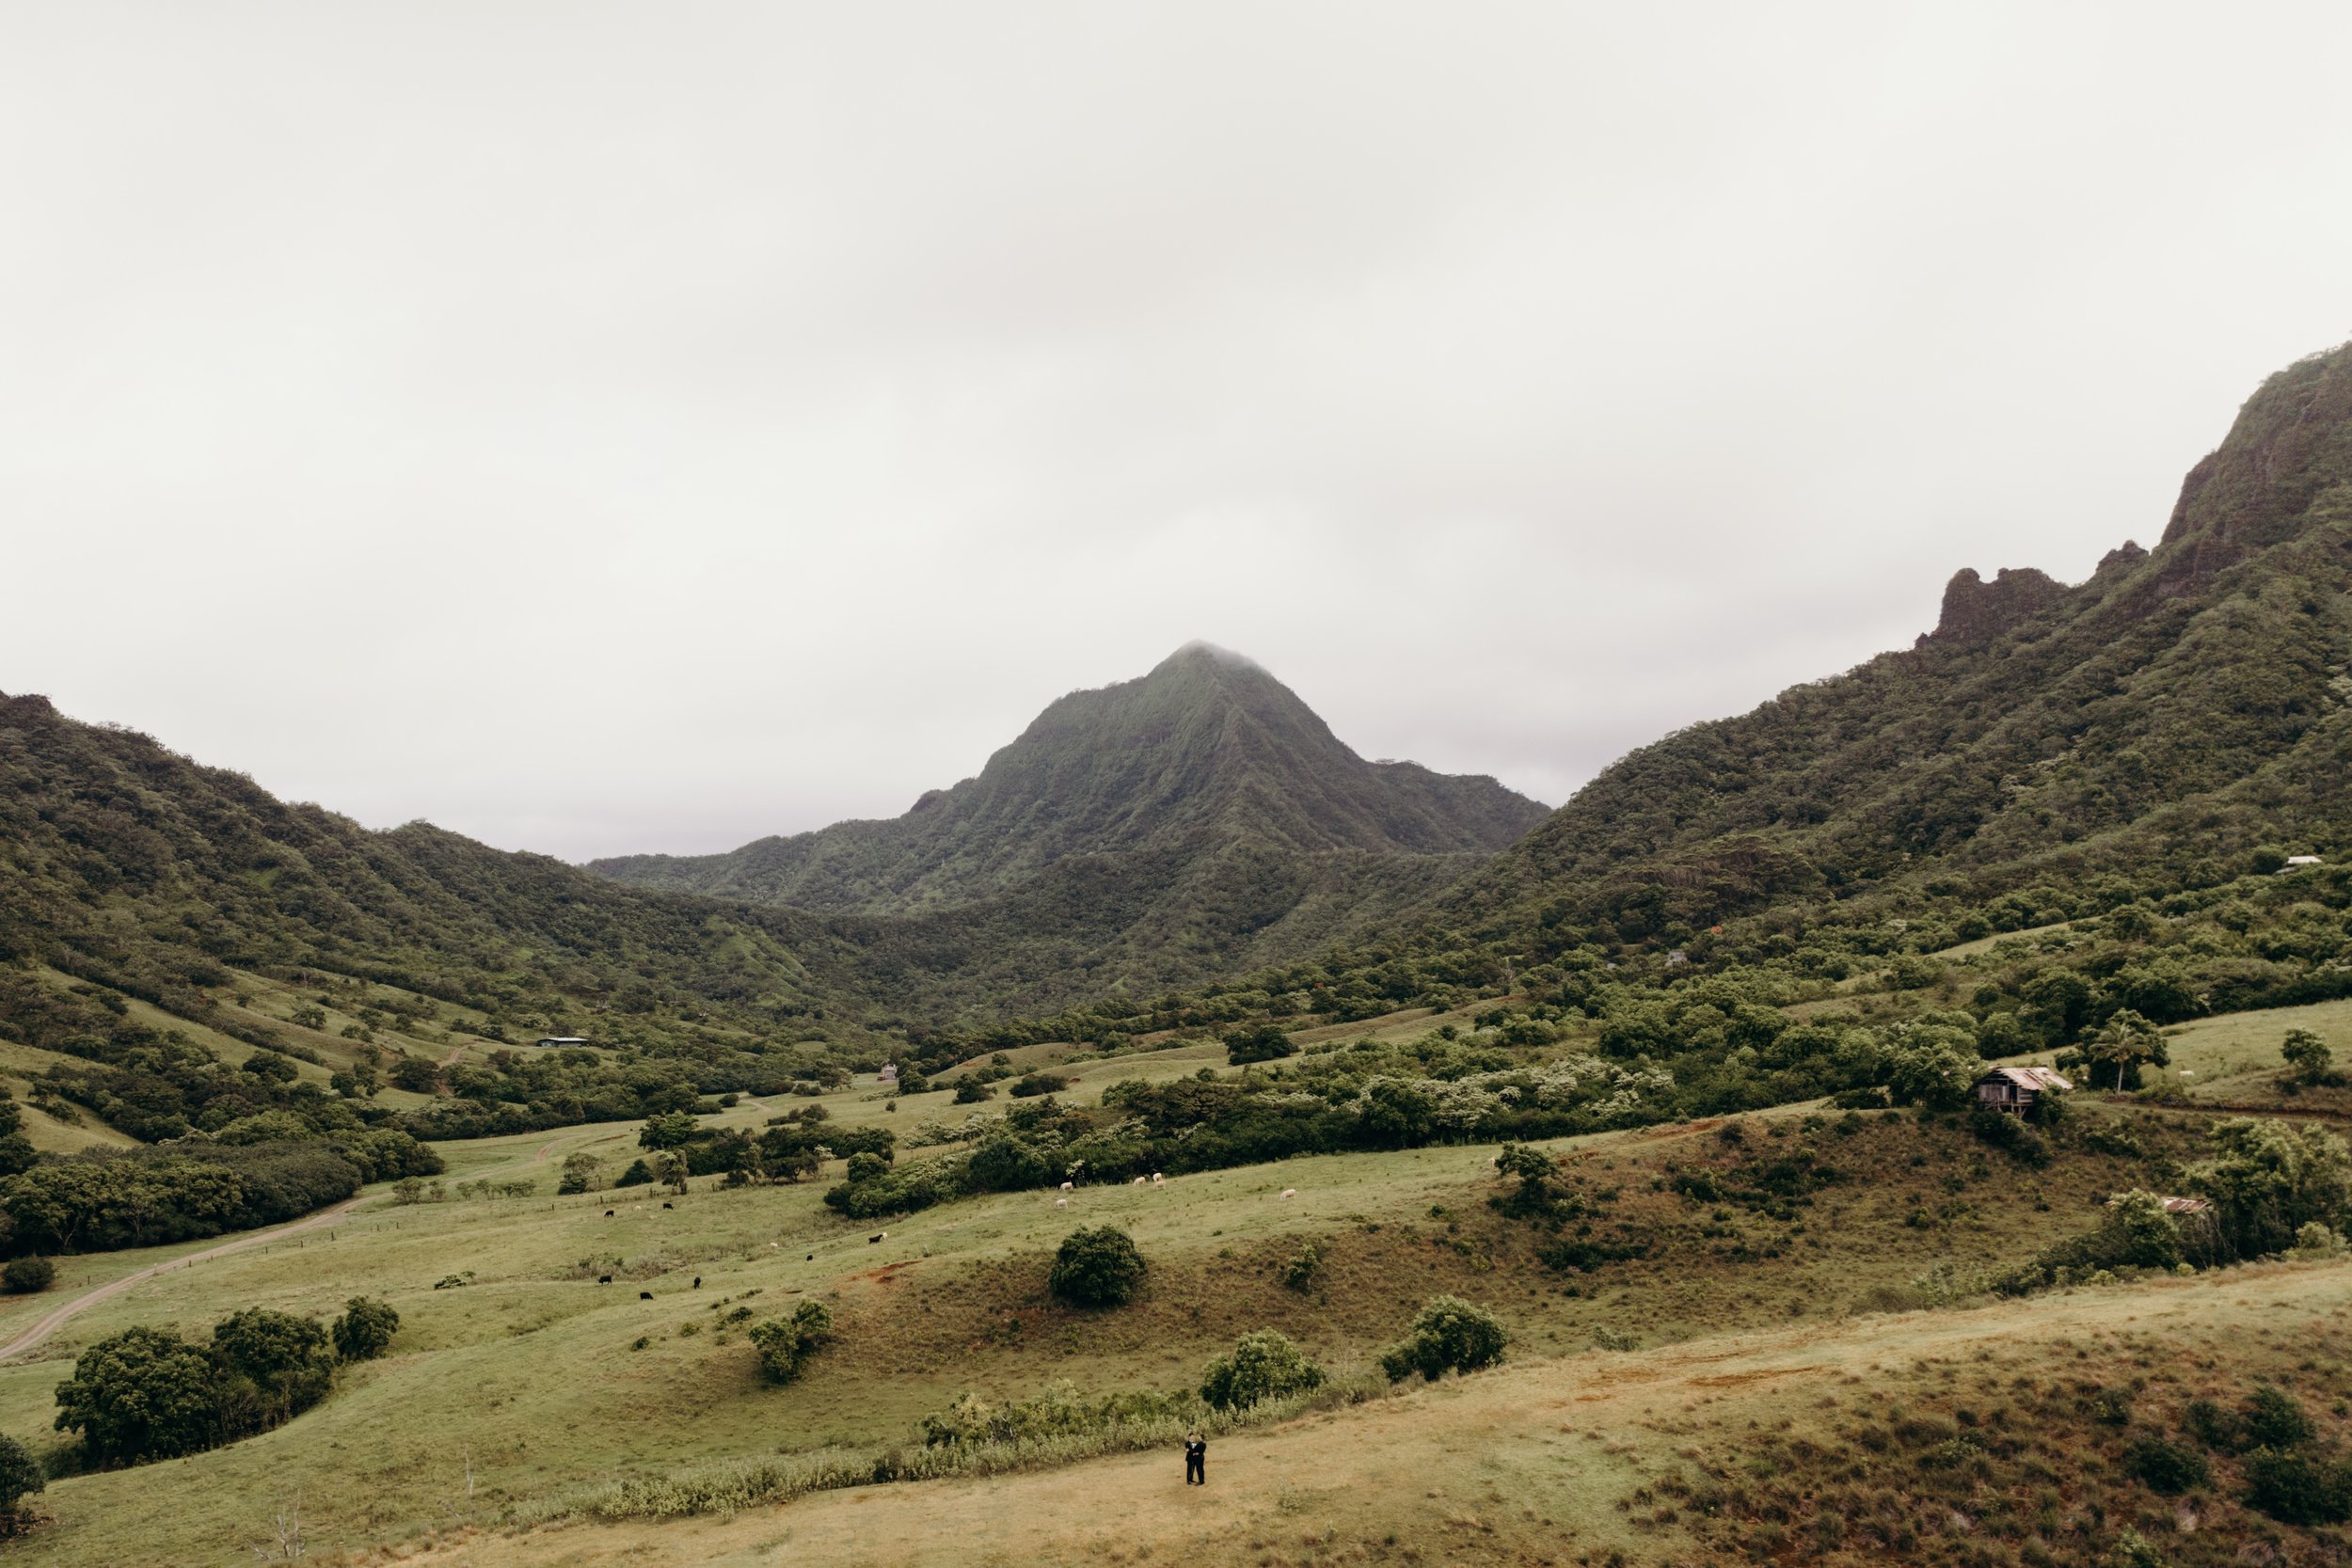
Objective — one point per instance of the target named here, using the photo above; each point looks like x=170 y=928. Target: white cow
x=1067 y=1185
x=1290 y=1192
x=1062 y=1203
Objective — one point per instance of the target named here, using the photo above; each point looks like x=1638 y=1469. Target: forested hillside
x=2134 y=748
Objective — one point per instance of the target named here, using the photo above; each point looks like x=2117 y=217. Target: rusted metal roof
x=2030 y=1077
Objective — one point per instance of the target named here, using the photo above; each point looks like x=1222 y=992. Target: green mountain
x=2157 y=737
x=1205 y=755
x=141 y=893
x=2181 y=706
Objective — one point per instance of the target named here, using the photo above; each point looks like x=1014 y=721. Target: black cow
x=607 y=1213
x=668 y=1205
x=698 y=1282
x=644 y=1295
x=604 y=1279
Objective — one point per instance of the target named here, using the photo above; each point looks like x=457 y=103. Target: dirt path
x=88 y=1299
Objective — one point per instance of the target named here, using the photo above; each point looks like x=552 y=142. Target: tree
x=2309 y=1055
x=21 y=1475
x=1397 y=1114
x=1267 y=1042
x=279 y=1367
x=2123 y=1042
x=416 y=1075
x=144 y=1393
x=671 y=1130
x=639 y=1174
x=365 y=1329
x=671 y=1166
x=1097 y=1268
x=1447 y=1334
x=1263 y=1366
x=2266 y=1180
x=1929 y=1064
x=580 y=1170
x=785 y=1344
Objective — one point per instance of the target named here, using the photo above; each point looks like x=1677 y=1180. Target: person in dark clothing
x=1195 y=1461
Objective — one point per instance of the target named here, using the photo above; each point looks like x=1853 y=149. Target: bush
x=1097 y=1268
x=365 y=1329
x=971 y=1091
x=864 y=1167
x=1447 y=1334
x=27 y=1276
x=2166 y=1467
x=2274 y=1419
x=638 y=1175
x=1036 y=1084
x=579 y=1174
x=1264 y=1365
x=2297 y=1489
x=787 y=1344
x=21 y=1475
x=1265 y=1043
x=1301 y=1270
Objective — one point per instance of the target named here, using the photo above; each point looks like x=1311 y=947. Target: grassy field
x=521 y=1378
x=1605 y=1458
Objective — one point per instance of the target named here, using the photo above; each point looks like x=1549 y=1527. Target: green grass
x=528 y=1372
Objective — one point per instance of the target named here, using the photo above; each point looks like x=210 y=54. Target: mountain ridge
x=1207 y=749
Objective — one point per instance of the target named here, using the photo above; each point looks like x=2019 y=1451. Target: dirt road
x=88 y=1299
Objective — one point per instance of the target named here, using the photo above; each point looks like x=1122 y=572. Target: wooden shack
x=2018 y=1089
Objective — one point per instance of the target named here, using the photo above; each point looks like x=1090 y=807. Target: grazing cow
x=607 y=1213
x=1157 y=1179
x=1068 y=1185
x=871 y=1240
x=1139 y=1181
x=812 y=1258
x=668 y=1205
x=1062 y=1203
x=1290 y=1192
x=604 y=1279
x=644 y=1295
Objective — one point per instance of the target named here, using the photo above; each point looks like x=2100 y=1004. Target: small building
x=889 y=1073
x=2018 y=1089
x=2297 y=863
x=560 y=1039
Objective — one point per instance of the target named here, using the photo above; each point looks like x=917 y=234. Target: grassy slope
x=529 y=1373
x=1573 y=1459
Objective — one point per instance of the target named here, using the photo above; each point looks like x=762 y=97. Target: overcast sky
x=605 y=428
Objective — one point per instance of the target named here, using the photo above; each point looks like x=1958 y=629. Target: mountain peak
x=1206 y=756
x=2285 y=466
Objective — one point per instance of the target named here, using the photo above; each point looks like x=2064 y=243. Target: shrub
x=1301 y=1270
x=27 y=1276
x=864 y=1167
x=638 y=1175
x=971 y=1091
x=21 y=1475
x=1036 y=1084
x=1263 y=1366
x=580 y=1171
x=2217 y=1429
x=1265 y=1043
x=1447 y=1334
x=787 y=1344
x=2274 y=1419
x=365 y=1329
x=1097 y=1268
x=2166 y=1467
x=2299 y=1489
